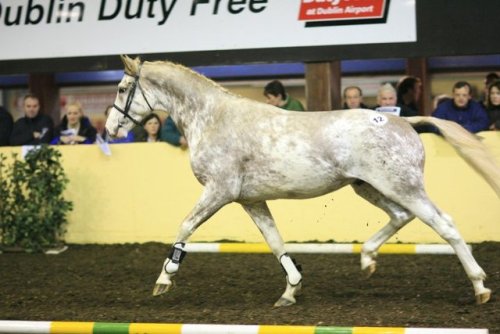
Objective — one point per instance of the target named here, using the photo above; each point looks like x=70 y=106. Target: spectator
x=409 y=90
x=386 y=96
x=34 y=128
x=172 y=135
x=276 y=95
x=152 y=127
x=99 y=125
x=353 y=98
x=6 y=124
x=439 y=99
x=488 y=80
x=493 y=105
x=463 y=110
x=75 y=128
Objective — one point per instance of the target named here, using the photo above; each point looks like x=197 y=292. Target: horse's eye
x=121 y=90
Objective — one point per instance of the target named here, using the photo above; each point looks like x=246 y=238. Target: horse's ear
x=124 y=59
x=131 y=65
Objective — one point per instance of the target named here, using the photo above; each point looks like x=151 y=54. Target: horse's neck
x=192 y=125
x=193 y=102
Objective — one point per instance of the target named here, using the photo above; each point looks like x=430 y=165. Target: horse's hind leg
x=444 y=226
x=209 y=203
x=260 y=214
x=399 y=217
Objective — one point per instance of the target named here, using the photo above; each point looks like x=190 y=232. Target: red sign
x=339 y=10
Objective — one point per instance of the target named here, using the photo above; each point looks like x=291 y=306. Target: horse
x=249 y=152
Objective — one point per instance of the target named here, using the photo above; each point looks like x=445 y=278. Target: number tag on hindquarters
x=378 y=119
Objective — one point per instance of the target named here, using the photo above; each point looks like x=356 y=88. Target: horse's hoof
x=369 y=270
x=161 y=289
x=284 y=302
x=483 y=297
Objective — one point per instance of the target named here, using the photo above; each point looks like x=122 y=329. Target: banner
x=31 y=29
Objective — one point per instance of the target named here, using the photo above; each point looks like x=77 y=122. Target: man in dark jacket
x=34 y=128
x=409 y=90
x=463 y=110
x=353 y=98
x=6 y=123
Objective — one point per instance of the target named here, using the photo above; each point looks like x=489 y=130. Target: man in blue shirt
x=463 y=110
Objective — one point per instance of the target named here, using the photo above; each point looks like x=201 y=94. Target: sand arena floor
x=113 y=283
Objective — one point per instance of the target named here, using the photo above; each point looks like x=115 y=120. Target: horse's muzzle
x=112 y=130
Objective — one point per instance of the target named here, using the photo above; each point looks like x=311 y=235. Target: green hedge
x=33 y=211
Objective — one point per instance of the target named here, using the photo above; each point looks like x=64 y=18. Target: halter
x=130 y=98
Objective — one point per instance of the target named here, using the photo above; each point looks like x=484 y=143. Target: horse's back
x=306 y=154
x=341 y=137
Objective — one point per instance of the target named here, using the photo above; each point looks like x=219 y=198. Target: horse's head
x=131 y=104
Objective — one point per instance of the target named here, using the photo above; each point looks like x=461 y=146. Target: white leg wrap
x=175 y=258
x=293 y=275
x=171 y=267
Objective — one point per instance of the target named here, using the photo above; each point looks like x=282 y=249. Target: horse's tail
x=473 y=151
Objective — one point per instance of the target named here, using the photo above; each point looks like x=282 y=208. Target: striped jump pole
x=56 y=327
x=240 y=247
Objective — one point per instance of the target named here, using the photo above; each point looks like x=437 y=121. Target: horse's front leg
x=263 y=219
x=210 y=202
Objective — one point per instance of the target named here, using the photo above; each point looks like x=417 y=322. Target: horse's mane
x=132 y=68
x=197 y=75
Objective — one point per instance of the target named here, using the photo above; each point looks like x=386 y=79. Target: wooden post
x=417 y=67
x=323 y=86
x=43 y=85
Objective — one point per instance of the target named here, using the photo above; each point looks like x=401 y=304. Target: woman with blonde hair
x=74 y=128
